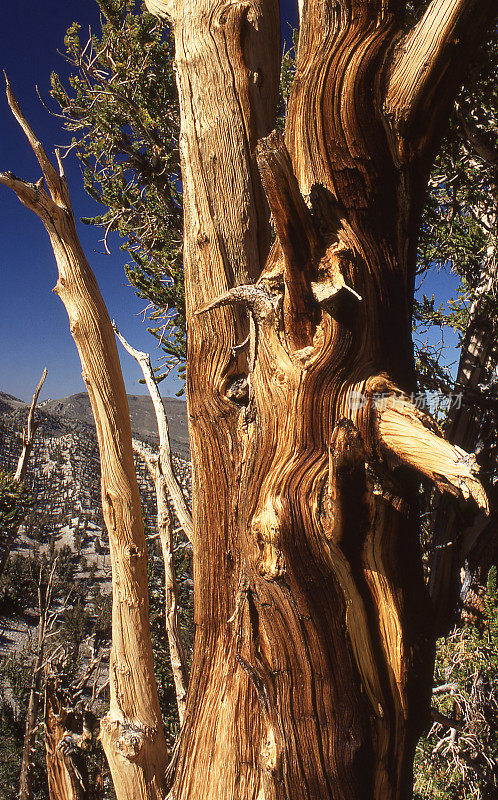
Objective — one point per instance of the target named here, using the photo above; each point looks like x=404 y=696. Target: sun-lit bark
x=160 y=466
x=313 y=655
x=131 y=733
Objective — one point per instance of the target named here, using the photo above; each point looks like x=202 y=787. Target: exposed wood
x=412 y=438
x=161 y=470
x=164 y=529
x=131 y=732
x=313 y=656
x=29 y=434
x=456 y=544
x=176 y=651
x=427 y=65
x=228 y=65
x=67 y=773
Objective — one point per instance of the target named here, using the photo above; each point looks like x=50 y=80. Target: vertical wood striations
x=313 y=654
x=228 y=63
x=131 y=732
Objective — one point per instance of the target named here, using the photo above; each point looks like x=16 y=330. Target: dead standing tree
x=131 y=733
x=312 y=663
x=313 y=655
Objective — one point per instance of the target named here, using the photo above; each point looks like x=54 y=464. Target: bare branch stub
x=294 y=225
x=164 y=461
x=262 y=305
x=411 y=437
x=295 y=251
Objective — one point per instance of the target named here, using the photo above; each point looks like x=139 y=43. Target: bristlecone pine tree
x=313 y=655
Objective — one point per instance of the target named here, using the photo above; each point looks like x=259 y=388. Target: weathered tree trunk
x=67 y=773
x=312 y=661
x=131 y=733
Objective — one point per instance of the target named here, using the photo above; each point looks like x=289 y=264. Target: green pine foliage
x=458 y=233
x=121 y=108
x=15 y=503
x=462 y=764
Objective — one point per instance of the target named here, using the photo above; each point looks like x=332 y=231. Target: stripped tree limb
x=29 y=434
x=57 y=187
x=131 y=733
x=165 y=459
x=414 y=439
x=161 y=470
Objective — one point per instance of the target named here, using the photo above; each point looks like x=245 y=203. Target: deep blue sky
x=34 y=331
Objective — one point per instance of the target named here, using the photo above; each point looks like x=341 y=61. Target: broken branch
x=174 y=488
x=29 y=434
x=413 y=438
x=56 y=183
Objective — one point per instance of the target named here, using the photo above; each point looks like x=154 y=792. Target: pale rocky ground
x=64 y=475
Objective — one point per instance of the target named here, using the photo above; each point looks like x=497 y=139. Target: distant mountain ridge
x=76 y=408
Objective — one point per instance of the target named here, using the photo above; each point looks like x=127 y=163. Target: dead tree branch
x=29 y=434
x=166 y=463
